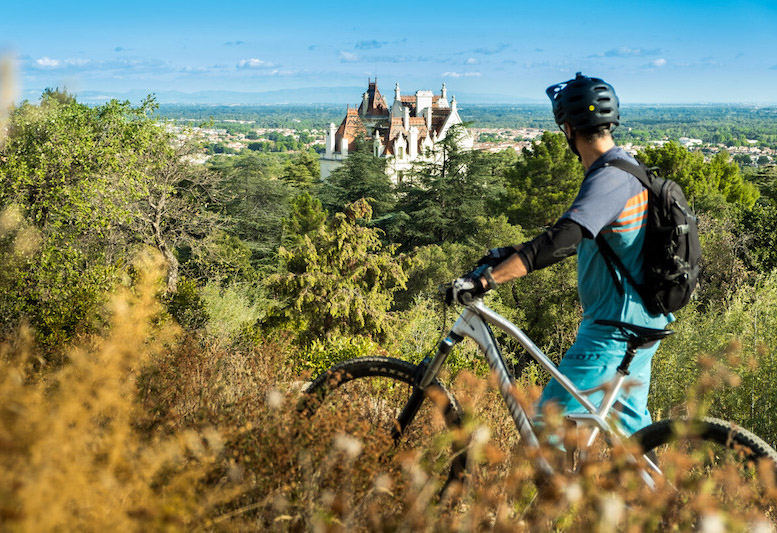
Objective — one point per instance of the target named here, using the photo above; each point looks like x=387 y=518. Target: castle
x=404 y=134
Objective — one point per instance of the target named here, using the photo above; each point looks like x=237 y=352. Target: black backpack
x=672 y=250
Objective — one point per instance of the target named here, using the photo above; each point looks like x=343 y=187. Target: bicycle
x=396 y=399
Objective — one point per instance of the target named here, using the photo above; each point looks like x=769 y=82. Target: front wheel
x=711 y=457
x=363 y=399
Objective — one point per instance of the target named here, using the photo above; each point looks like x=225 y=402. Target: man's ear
x=567 y=129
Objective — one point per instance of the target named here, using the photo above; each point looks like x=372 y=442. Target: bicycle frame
x=474 y=323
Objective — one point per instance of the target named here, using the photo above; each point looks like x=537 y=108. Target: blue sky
x=651 y=51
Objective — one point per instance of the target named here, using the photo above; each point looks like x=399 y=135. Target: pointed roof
x=376 y=104
x=351 y=127
x=439 y=117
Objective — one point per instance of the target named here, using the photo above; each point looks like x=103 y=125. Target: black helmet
x=586 y=103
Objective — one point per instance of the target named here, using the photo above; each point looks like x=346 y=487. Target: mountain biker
x=611 y=202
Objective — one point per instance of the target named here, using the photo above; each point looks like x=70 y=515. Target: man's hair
x=593 y=135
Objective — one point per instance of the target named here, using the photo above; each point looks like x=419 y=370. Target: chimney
x=444 y=92
x=429 y=118
x=365 y=103
x=412 y=148
x=406 y=118
x=396 y=92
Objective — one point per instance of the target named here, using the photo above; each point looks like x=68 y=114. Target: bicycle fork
x=424 y=376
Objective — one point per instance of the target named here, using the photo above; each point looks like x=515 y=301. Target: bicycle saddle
x=640 y=335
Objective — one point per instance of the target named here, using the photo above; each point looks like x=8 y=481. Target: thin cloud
x=370 y=45
x=234 y=43
x=347 y=57
x=47 y=62
x=121 y=49
x=625 y=51
x=254 y=63
x=391 y=59
x=461 y=74
x=471 y=61
x=51 y=63
x=190 y=69
x=82 y=65
x=773 y=68
x=658 y=63
x=501 y=47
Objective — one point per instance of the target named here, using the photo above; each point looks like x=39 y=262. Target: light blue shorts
x=592 y=361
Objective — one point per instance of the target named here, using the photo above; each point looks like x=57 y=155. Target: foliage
x=321 y=354
x=72 y=456
x=722 y=271
x=734 y=345
x=258 y=201
x=362 y=175
x=443 y=199
x=147 y=428
x=436 y=264
x=340 y=278
x=232 y=310
x=302 y=171
x=62 y=175
x=699 y=178
x=543 y=183
x=759 y=223
x=222 y=258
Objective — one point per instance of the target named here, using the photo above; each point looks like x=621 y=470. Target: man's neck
x=590 y=152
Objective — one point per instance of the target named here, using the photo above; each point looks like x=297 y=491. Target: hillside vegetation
x=159 y=318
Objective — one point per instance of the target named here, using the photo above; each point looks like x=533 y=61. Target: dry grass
x=146 y=428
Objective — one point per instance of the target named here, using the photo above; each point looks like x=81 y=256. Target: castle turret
x=330 y=140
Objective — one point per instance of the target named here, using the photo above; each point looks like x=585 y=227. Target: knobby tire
x=392 y=381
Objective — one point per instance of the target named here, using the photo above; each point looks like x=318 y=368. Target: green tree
x=340 y=277
x=64 y=173
x=302 y=171
x=543 y=183
x=362 y=175
x=442 y=200
x=699 y=178
x=258 y=202
x=91 y=183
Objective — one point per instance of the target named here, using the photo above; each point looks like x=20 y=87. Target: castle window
x=401 y=152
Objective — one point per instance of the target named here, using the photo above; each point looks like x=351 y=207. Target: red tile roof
x=438 y=118
x=350 y=128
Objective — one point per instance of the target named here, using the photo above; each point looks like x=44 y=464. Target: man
x=610 y=202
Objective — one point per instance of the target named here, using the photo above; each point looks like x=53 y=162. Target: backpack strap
x=611 y=259
x=638 y=171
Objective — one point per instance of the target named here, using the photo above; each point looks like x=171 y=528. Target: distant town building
x=404 y=133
